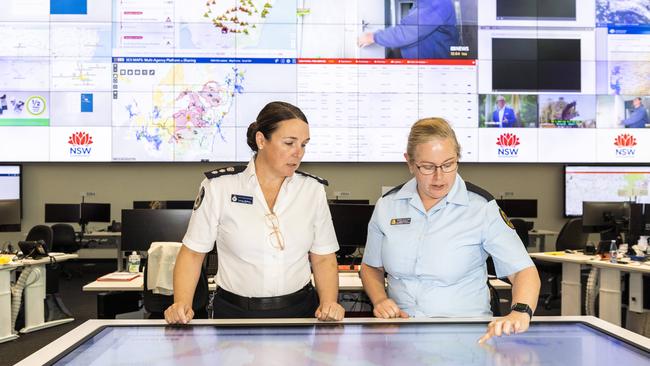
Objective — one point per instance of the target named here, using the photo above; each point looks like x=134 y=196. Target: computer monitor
x=607 y=218
x=162 y=205
x=10 y=198
x=351 y=225
x=605 y=183
x=351 y=202
x=62 y=212
x=519 y=207
x=639 y=221
x=141 y=227
x=95 y=212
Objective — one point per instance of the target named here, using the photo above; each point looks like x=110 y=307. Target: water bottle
x=134 y=262
x=613 y=250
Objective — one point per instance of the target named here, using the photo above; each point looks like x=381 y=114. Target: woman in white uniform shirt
x=269 y=222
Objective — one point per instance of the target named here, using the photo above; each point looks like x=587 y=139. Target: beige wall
x=120 y=184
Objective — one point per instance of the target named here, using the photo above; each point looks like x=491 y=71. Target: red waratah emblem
x=508 y=139
x=80 y=139
x=625 y=140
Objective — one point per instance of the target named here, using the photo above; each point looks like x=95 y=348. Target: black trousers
x=303 y=304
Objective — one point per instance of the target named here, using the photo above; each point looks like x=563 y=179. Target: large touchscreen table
x=426 y=342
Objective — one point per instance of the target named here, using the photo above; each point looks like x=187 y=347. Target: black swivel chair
x=64 y=240
x=55 y=308
x=156 y=304
x=41 y=232
x=570 y=237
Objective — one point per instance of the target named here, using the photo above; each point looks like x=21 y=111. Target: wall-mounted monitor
x=604 y=183
x=10 y=197
x=115 y=81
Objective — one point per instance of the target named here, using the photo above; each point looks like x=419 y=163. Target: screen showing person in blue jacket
x=427 y=29
x=507 y=111
x=637 y=117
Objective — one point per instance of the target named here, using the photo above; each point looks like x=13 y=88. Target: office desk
x=6 y=333
x=539 y=235
x=33 y=296
x=362 y=341
x=571 y=285
x=104 y=253
x=348 y=282
x=610 y=288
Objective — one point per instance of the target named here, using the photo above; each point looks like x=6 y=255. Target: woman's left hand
x=513 y=323
x=330 y=311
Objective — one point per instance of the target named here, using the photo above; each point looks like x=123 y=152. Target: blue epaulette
x=393 y=190
x=319 y=179
x=480 y=191
x=225 y=171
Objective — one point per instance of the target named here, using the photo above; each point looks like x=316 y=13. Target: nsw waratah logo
x=508 y=145
x=625 y=144
x=80 y=144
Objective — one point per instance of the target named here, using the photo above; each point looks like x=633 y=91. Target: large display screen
x=10 y=197
x=369 y=344
x=604 y=184
x=141 y=80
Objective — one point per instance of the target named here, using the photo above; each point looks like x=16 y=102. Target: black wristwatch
x=522 y=308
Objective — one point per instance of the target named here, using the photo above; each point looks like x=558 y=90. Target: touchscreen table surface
x=352 y=344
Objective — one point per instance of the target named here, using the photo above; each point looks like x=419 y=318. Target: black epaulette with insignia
x=319 y=179
x=225 y=171
x=393 y=190
x=480 y=191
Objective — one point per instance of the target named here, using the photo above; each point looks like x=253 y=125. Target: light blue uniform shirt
x=435 y=261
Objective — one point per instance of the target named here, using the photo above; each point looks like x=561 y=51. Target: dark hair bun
x=250 y=136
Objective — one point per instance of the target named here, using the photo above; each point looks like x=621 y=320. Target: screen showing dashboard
x=173 y=81
x=589 y=183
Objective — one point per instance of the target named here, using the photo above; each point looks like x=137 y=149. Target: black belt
x=266 y=303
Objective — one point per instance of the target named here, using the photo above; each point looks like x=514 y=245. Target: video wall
x=142 y=80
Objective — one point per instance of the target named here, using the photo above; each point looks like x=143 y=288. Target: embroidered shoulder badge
x=199 y=199
x=506 y=219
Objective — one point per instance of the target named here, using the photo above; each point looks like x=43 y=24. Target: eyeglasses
x=428 y=169
x=275 y=237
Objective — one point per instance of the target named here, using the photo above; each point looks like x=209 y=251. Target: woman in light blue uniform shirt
x=432 y=236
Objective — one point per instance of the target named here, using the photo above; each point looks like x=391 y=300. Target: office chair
x=55 y=309
x=495 y=301
x=41 y=232
x=64 y=240
x=570 y=237
x=156 y=304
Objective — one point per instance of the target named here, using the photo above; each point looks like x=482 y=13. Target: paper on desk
x=119 y=276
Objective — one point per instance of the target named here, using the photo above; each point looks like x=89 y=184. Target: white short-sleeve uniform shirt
x=435 y=259
x=232 y=211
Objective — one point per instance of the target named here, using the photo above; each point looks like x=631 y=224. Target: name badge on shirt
x=401 y=221
x=238 y=198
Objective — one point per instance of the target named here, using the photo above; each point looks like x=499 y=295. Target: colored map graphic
x=629 y=12
x=239 y=28
x=239 y=19
x=184 y=120
x=607 y=187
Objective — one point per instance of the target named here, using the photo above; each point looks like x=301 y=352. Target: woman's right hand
x=179 y=313
x=387 y=309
